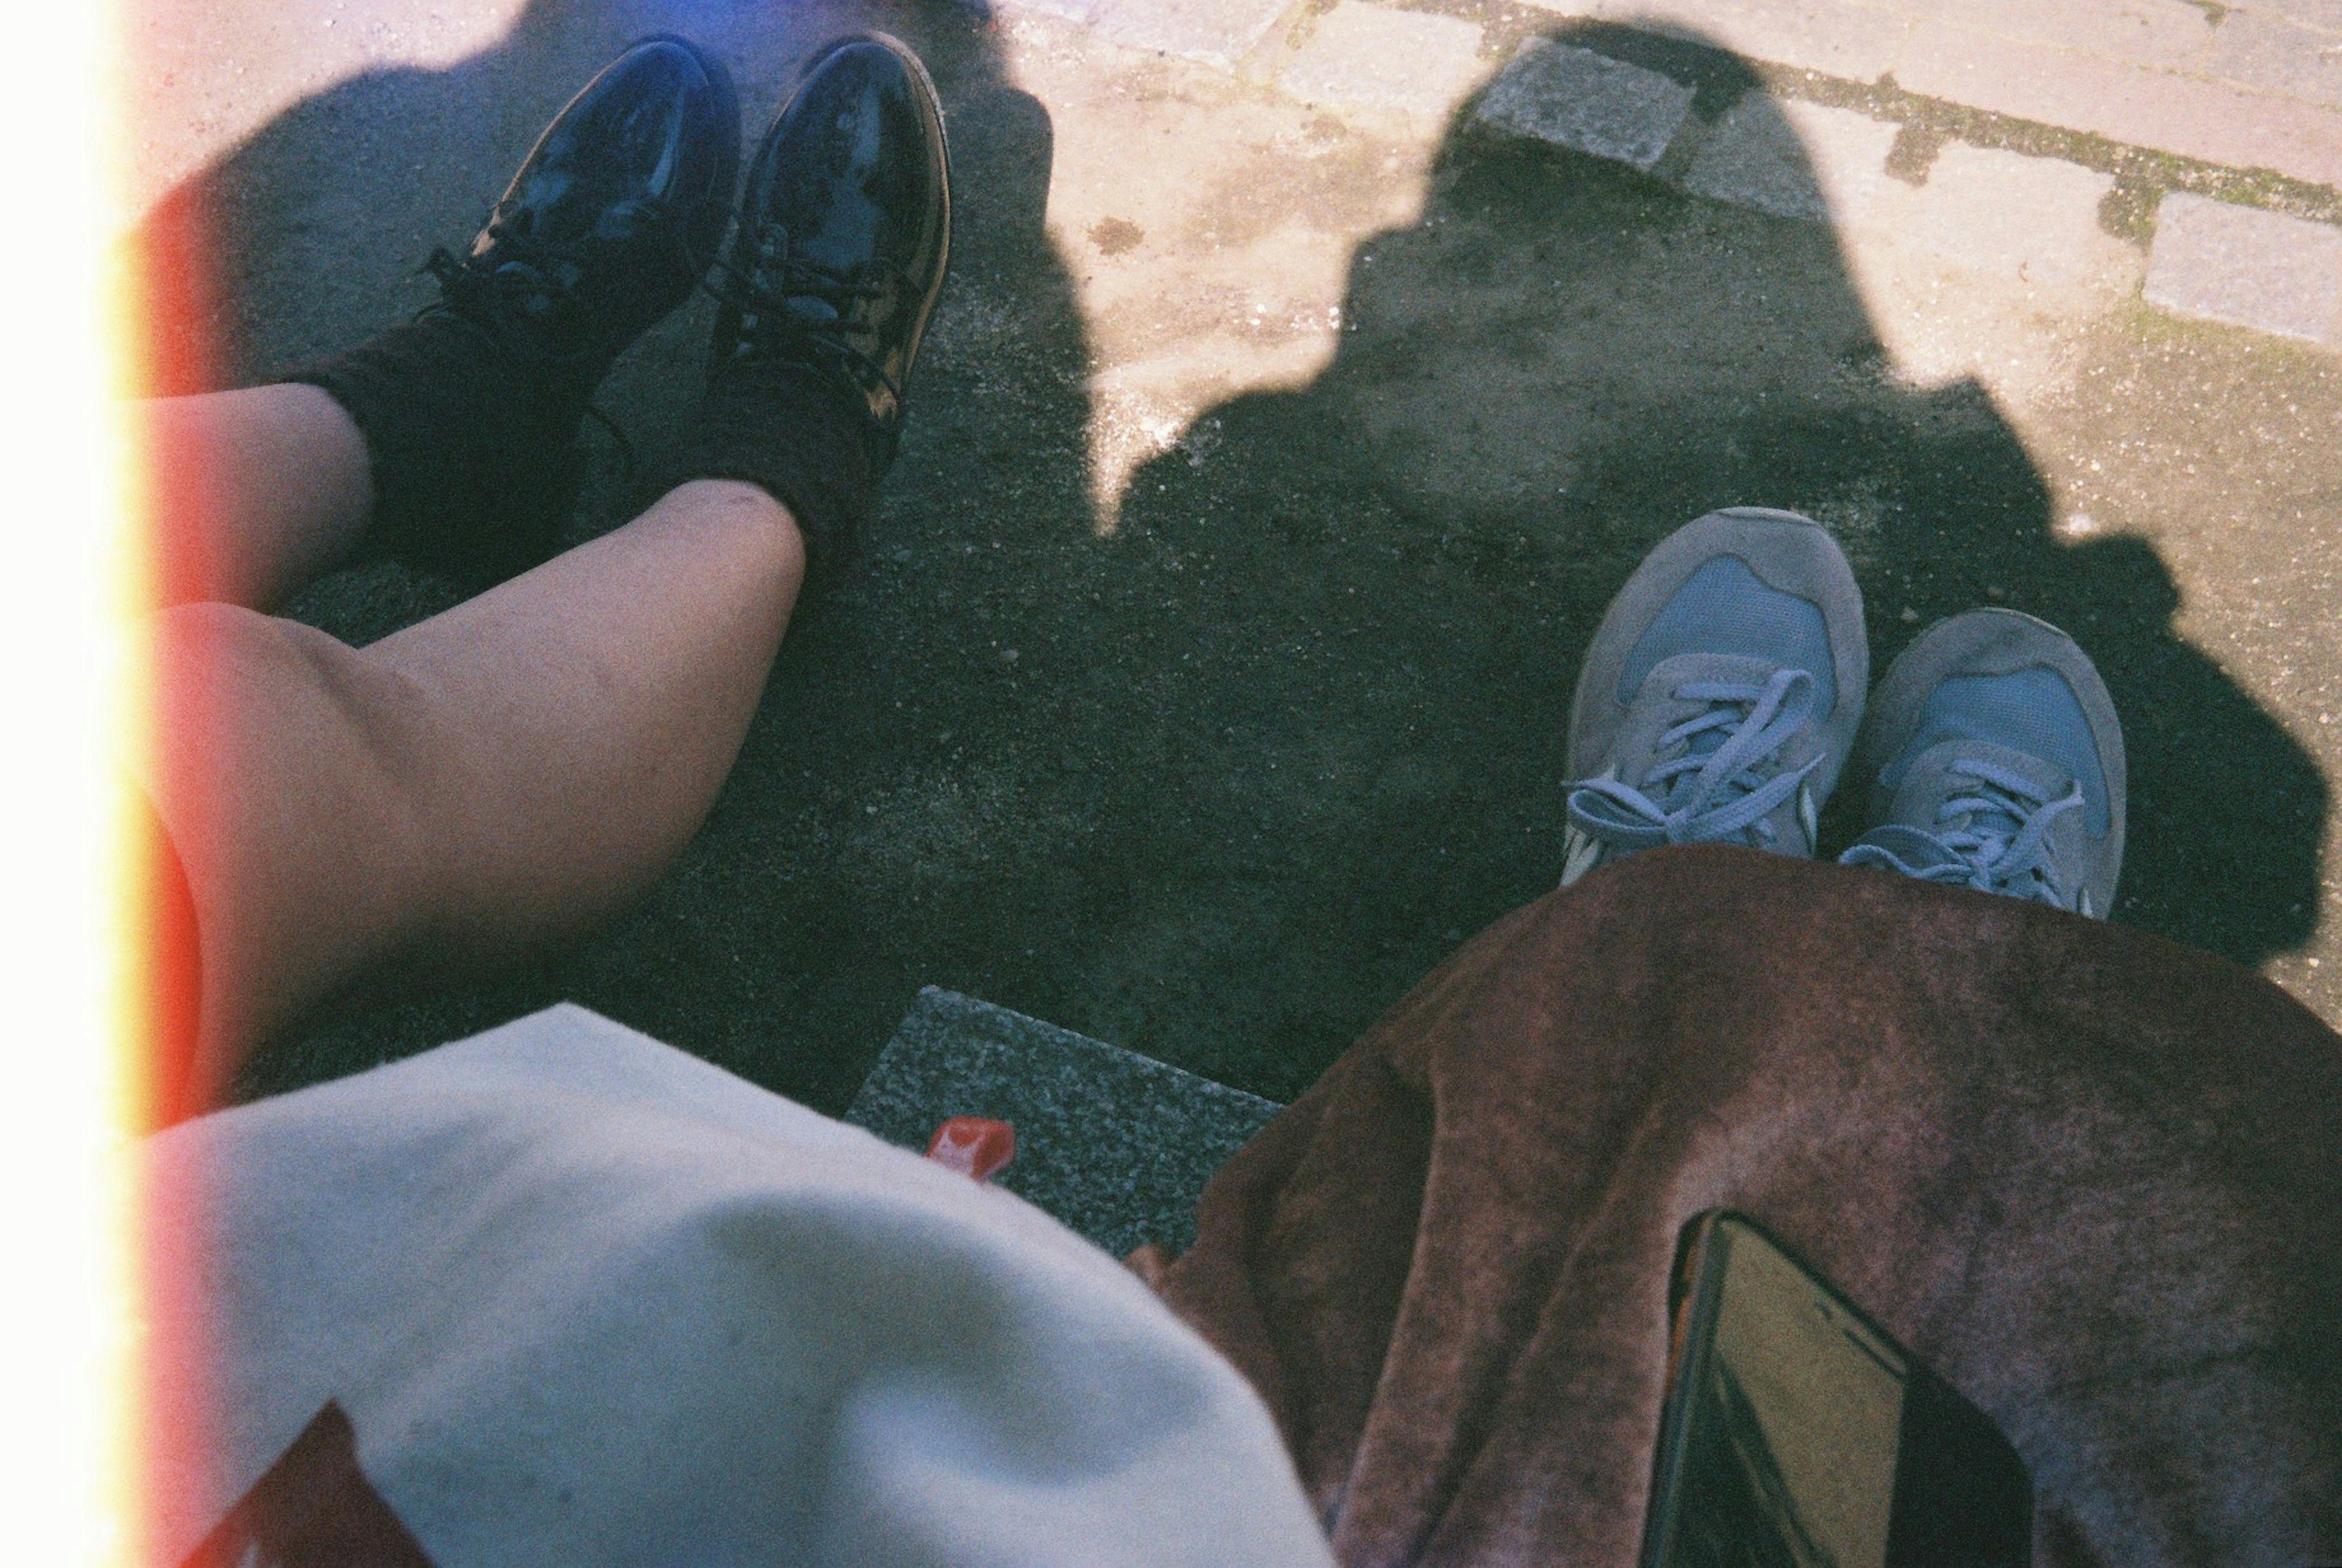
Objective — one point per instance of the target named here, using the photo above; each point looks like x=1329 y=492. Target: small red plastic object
x=975 y=1146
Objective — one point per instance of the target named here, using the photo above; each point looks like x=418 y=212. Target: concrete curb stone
x=2247 y=268
x=1112 y=1143
x=1586 y=102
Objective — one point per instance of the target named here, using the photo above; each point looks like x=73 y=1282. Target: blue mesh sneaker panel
x=1725 y=608
x=2031 y=710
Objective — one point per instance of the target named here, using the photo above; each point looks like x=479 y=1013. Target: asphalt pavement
x=1308 y=378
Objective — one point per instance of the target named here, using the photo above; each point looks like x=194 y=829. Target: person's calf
x=478 y=786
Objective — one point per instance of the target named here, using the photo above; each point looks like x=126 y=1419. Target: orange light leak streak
x=66 y=931
x=164 y=316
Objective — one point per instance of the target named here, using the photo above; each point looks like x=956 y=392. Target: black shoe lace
x=779 y=275
x=531 y=280
x=528 y=283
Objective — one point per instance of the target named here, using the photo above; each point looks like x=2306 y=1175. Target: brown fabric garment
x=2094 y=1179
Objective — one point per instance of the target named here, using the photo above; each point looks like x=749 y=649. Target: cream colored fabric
x=587 y=1299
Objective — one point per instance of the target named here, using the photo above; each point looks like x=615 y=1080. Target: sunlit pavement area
x=1308 y=378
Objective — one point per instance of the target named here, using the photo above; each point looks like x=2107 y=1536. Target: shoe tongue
x=1737 y=669
x=1930 y=781
x=1671 y=675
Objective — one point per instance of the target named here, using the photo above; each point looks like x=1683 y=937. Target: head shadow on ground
x=1372 y=595
x=1219 y=785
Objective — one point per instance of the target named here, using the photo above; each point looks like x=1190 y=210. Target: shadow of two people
x=1222 y=784
x=1552 y=368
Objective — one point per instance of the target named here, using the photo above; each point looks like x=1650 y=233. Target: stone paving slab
x=2251 y=88
x=2029 y=221
x=1215 y=32
x=1374 y=58
x=2104 y=66
x=1113 y=1144
x=1586 y=102
x=2247 y=268
x=2278 y=55
x=1794 y=159
x=2167 y=34
x=2197 y=119
x=2323 y=14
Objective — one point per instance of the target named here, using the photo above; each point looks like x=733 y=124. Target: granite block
x=1115 y=1144
x=2247 y=268
x=1585 y=102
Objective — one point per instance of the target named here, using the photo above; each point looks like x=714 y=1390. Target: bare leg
x=258 y=492
x=498 y=777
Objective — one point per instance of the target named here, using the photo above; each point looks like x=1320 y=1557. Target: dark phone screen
x=1806 y=1439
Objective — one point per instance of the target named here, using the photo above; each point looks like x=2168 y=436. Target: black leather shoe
x=844 y=233
x=615 y=213
x=470 y=412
